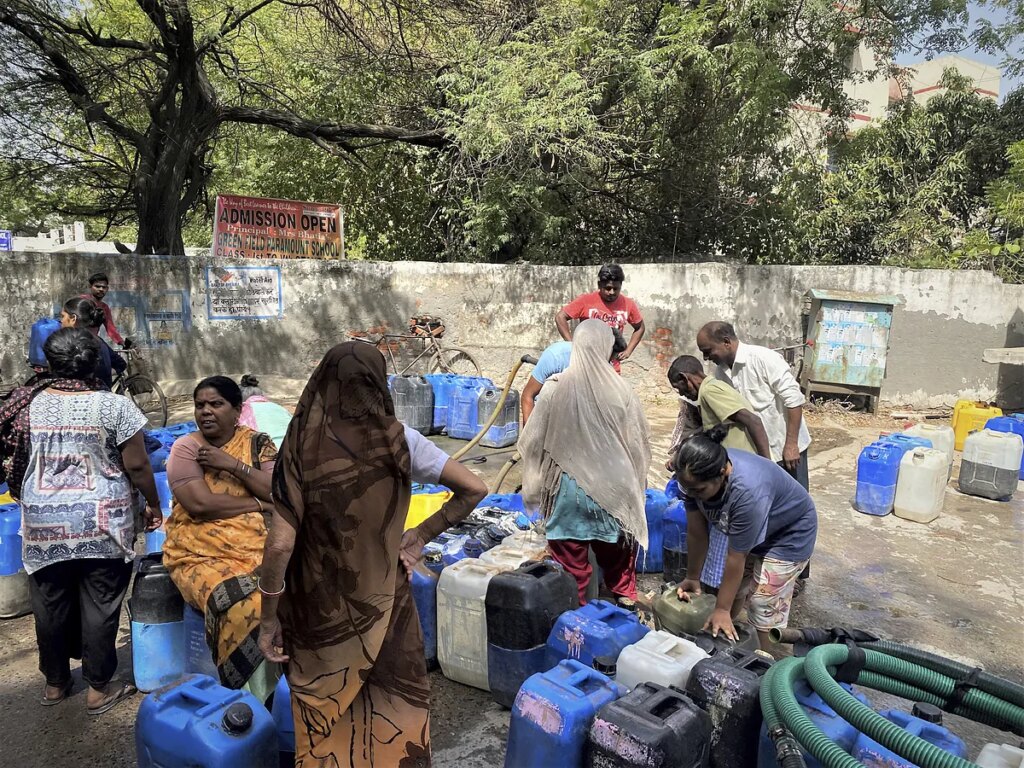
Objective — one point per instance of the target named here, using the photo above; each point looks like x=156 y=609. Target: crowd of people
x=286 y=530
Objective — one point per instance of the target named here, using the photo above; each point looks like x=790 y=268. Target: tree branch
x=332 y=132
x=68 y=78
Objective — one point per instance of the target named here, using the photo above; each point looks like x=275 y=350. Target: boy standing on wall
x=608 y=305
x=98 y=287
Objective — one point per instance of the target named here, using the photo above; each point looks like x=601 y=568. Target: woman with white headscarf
x=586 y=451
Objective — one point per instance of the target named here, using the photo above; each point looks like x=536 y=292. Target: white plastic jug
x=533 y=545
x=659 y=657
x=462 y=621
x=991 y=464
x=921 y=487
x=1000 y=756
x=507 y=559
x=942 y=436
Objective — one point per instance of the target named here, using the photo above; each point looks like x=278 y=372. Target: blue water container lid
x=238 y=718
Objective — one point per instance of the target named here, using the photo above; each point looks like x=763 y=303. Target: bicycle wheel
x=455 y=360
x=148 y=396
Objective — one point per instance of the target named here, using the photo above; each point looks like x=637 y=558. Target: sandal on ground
x=64 y=693
x=126 y=690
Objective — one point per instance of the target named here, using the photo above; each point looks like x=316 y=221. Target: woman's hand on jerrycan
x=688 y=587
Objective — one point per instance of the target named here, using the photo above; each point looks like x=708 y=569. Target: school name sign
x=264 y=228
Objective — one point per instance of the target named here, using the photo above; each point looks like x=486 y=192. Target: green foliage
x=908 y=191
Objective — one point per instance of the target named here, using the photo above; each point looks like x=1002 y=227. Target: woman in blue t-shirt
x=770 y=521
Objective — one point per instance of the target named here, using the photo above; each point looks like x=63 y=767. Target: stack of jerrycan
x=658 y=657
x=505 y=430
x=442 y=385
x=970 y=416
x=838 y=731
x=425 y=501
x=727 y=686
x=414 y=402
x=942 y=438
x=158 y=454
x=925 y=723
x=519 y=548
x=155 y=539
x=424 y=594
x=464 y=408
x=284 y=723
x=14 y=595
x=462 y=621
x=596 y=631
x=651 y=559
x=650 y=726
x=197 y=722
x=199 y=659
x=522 y=607
x=686 y=618
x=552 y=715
x=990 y=465
x=921 y=487
x=156 y=610
x=1014 y=424
x=42 y=329
x=464 y=547
x=1000 y=756
x=878 y=468
x=674 y=541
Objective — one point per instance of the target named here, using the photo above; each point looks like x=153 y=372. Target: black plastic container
x=727 y=687
x=155 y=599
x=651 y=727
x=522 y=607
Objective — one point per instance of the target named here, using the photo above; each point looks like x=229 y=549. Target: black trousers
x=801 y=476
x=77 y=605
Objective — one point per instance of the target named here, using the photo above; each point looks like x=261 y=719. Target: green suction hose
x=890 y=668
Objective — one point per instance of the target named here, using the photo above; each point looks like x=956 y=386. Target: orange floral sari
x=214 y=565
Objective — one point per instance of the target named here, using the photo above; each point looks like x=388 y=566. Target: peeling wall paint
x=502 y=312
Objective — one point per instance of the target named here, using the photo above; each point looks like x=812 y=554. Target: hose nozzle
x=787 y=749
x=528 y=359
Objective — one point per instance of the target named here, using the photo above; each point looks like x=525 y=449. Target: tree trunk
x=169 y=179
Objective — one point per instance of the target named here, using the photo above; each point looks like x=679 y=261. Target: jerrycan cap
x=238 y=718
x=927 y=712
x=606 y=665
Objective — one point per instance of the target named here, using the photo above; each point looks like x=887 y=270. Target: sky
x=1007 y=84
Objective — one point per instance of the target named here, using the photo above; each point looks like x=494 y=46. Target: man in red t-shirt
x=98 y=285
x=608 y=304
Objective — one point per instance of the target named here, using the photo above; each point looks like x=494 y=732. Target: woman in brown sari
x=337 y=560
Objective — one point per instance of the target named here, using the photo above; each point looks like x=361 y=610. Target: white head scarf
x=589 y=425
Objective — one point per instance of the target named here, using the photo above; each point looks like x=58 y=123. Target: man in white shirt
x=763 y=377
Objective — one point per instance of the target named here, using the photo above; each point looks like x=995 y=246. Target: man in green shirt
x=719 y=403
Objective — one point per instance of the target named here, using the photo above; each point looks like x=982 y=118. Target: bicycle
x=143 y=391
x=795 y=361
x=427 y=333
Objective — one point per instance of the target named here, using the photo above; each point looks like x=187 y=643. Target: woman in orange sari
x=220 y=477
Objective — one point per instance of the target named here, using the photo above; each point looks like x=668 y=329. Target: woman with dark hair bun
x=220 y=477
x=83 y=313
x=74 y=457
x=770 y=522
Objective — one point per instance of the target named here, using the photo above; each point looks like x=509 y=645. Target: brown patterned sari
x=360 y=695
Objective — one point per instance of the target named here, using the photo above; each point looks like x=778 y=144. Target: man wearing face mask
x=719 y=403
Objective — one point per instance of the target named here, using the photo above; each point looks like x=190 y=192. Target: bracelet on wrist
x=259 y=586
